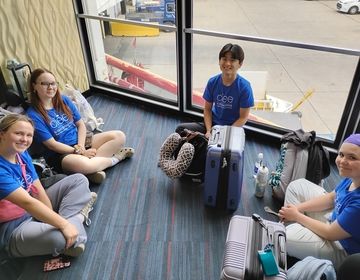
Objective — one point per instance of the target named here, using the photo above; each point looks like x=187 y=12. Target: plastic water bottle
x=258 y=163
x=261 y=181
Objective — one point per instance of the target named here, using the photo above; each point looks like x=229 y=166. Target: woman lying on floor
x=34 y=221
x=59 y=127
x=315 y=233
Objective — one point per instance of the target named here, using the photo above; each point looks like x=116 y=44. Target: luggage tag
x=267 y=260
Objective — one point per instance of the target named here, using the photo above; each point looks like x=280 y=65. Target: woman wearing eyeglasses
x=34 y=221
x=60 y=129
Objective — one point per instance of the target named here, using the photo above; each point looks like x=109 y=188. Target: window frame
x=349 y=122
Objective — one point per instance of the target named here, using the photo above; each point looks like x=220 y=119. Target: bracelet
x=77 y=150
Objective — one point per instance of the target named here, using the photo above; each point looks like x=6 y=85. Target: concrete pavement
x=291 y=71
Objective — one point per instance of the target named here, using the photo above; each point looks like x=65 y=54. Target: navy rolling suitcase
x=224 y=167
x=246 y=236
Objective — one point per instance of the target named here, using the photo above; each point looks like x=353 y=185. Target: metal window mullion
x=285 y=43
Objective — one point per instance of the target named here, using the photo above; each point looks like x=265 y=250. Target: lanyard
x=29 y=187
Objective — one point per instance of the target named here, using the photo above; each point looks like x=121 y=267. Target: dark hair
x=235 y=50
x=57 y=101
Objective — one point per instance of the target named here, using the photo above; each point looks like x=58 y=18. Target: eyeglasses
x=47 y=84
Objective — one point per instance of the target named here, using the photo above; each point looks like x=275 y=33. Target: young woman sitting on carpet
x=314 y=232
x=34 y=221
x=60 y=129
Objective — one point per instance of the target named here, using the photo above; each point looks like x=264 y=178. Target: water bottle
x=258 y=163
x=261 y=181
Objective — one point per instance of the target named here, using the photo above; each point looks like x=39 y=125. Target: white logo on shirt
x=59 y=120
x=224 y=101
x=60 y=123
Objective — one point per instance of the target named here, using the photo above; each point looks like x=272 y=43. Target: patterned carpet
x=145 y=225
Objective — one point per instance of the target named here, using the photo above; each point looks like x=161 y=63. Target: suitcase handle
x=257 y=218
x=280 y=243
x=215 y=138
x=13 y=69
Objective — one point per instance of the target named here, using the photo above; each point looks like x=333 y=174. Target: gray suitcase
x=247 y=235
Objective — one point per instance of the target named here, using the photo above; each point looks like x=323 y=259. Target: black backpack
x=318 y=166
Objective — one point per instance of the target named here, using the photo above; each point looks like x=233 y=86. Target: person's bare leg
x=81 y=164
x=108 y=143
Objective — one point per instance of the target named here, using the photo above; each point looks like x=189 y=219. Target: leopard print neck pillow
x=175 y=167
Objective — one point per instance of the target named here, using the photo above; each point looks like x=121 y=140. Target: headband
x=353 y=139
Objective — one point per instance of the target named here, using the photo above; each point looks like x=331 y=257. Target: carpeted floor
x=145 y=225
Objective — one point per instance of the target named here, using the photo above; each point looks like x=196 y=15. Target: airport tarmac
x=291 y=71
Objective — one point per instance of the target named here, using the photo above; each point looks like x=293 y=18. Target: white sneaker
x=88 y=208
x=124 y=153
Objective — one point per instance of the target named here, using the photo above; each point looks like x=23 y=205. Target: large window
x=138 y=58
x=294 y=87
x=301 y=57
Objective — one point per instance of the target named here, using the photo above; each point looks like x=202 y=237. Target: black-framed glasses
x=49 y=84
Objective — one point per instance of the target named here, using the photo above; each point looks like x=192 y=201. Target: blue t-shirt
x=61 y=128
x=12 y=179
x=11 y=175
x=227 y=100
x=347 y=213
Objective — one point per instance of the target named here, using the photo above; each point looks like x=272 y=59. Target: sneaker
x=88 y=208
x=124 y=153
x=75 y=251
x=97 y=177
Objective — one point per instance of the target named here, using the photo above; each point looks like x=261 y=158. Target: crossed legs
x=302 y=242
x=106 y=144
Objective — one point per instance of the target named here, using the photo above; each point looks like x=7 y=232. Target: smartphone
x=56 y=263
